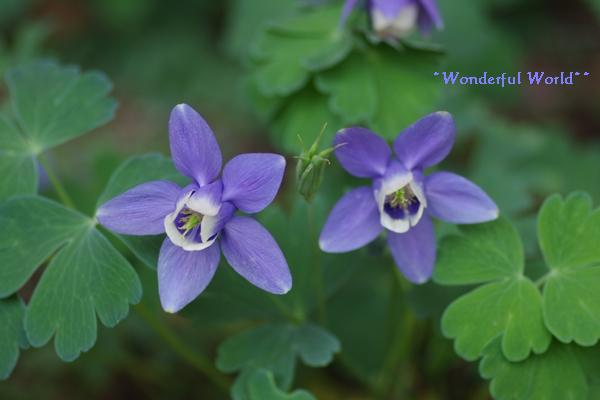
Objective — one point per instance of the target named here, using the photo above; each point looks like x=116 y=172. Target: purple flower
x=200 y=219
x=397 y=18
x=401 y=199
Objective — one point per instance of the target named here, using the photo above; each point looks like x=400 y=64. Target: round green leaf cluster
x=528 y=333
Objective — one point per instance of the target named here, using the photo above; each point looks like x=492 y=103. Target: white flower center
x=189 y=226
x=397 y=27
x=401 y=204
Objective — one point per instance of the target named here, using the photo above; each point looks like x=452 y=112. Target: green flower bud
x=310 y=168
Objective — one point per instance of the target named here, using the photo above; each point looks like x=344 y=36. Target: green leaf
x=510 y=305
x=18 y=173
x=482 y=253
x=288 y=52
x=344 y=83
x=276 y=347
x=247 y=19
x=13 y=336
x=260 y=384
x=568 y=232
x=512 y=308
x=365 y=88
x=555 y=375
x=86 y=275
x=54 y=104
x=31 y=230
x=132 y=172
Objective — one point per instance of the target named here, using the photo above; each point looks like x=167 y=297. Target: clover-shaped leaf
x=276 y=347
x=512 y=317
x=509 y=305
x=132 y=172
x=558 y=374
x=87 y=275
x=13 y=336
x=287 y=52
x=259 y=384
x=51 y=104
x=568 y=232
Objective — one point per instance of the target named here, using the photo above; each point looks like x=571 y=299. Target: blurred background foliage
x=258 y=92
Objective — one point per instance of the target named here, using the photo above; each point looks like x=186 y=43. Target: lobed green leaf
x=555 y=375
x=54 y=104
x=260 y=384
x=87 y=276
x=481 y=253
x=287 y=52
x=275 y=347
x=31 y=230
x=568 y=232
x=511 y=308
x=13 y=336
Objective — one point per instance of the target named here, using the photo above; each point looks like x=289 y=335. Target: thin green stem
x=295 y=317
x=56 y=184
x=401 y=328
x=196 y=360
x=318 y=270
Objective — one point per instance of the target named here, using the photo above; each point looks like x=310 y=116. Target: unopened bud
x=311 y=167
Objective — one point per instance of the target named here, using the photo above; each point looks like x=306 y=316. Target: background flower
x=398 y=18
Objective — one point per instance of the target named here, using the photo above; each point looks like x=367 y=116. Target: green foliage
x=132 y=172
x=31 y=230
x=17 y=164
x=86 y=276
x=509 y=305
x=308 y=70
x=13 y=336
x=276 y=347
x=248 y=19
x=259 y=385
x=51 y=105
x=563 y=372
x=508 y=317
x=290 y=50
x=569 y=232
x=364 y=89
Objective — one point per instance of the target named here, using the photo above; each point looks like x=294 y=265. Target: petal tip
x=285 y=288
x=324 y=246
x=443 y=114
x=181 y=107
x=170 y=308
x=280 y=160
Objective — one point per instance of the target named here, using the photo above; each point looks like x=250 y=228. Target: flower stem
x=196 y=360
x=56 y=184
x=318 y=270
x=401 y=328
